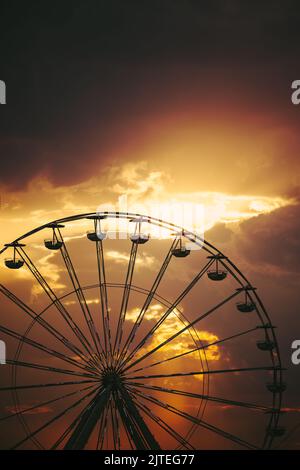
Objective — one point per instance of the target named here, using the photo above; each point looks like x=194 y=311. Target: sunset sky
x=163 y=102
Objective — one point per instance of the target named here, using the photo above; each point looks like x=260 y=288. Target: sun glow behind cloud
x=146 y=191
x=187 y=341
x=143 y=189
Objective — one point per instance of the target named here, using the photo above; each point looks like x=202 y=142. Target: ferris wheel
x=133 y=342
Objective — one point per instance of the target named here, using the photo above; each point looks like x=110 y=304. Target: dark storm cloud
x=273 y=239
x=82 y=76
x=220 y=233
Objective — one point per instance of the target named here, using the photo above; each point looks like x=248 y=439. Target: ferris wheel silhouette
x=134 y=378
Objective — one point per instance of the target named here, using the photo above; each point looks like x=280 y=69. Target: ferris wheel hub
x=111 y=378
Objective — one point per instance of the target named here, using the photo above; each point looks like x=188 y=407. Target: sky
x=161 y=102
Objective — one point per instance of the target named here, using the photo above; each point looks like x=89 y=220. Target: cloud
x=220 y=233
x=154 y=312
x=150 y=93
x=22 y=408
x=183 y=343
x=134 y=187
x=273 y=239
x=51 y=271
x=122 y=258
x=137 y=181
x=290 y=409
x=88 y=301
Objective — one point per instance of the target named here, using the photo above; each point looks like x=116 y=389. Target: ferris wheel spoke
x=228 y=268
x=45 y=403
x=45 y=385
x=69 y=428
x=125 y=298
x=168 y=312
x=51 y=421
x=32 y=365
x=129 y=438
x=130 y=424
x=148 y=299
x=43 y=323
x=143 y=429
x=113 y=425
x=204 y=372
x=55 y=301
x=104 y=299
x=80 y=295
x=117 y=423
x=66 y=433
x=226 y=401
x=185 y=328
x=103 y=427
x=114 y=421
x=41 y=347
x=163 y=424
x=199 y=422
x=201 y=348
x=89 y=419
